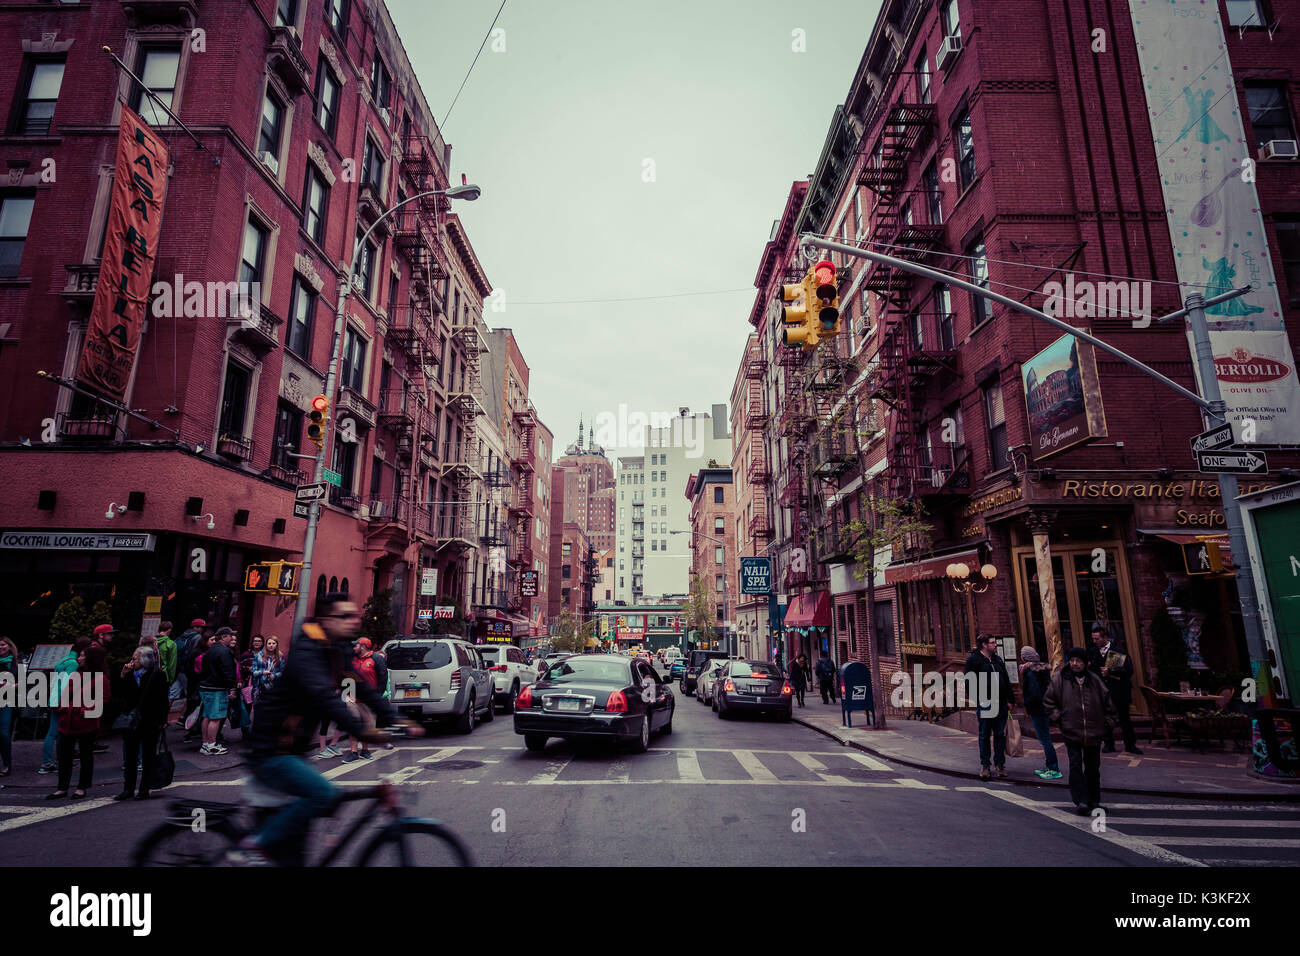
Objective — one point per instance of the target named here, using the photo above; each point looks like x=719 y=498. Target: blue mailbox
x=855 y=692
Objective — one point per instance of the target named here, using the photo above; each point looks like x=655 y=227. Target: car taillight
x=786 y=688
x=455 y=680
x=617 y=703
x=525 y=698
x=729 y=686
x=498 y=668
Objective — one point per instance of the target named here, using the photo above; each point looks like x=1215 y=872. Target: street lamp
x=724 y=580
x=959 y=574
x=466 y=191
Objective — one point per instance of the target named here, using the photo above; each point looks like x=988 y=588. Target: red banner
x=126 y=272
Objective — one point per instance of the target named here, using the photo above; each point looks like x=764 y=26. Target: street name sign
x=1218 y=437
x=1232 y=461
x=333 y=477
x=309 y=492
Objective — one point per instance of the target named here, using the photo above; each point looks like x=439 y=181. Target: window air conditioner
x=948 y=50
x=376 y=509
x=270 y=162
x=1279 y=149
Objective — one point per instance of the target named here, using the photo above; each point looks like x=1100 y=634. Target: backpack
x=185 y=651
x=198 y=666
x=825 y=668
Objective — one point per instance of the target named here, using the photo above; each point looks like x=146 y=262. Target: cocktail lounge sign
x=75 y=541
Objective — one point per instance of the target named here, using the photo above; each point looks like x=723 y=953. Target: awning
x=809 y=610
x=930 y=568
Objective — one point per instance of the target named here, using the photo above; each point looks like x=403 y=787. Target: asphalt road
x=733 y=793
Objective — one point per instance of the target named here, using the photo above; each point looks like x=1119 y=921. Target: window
x=157 y=67
x=286 y=13
x=923 y=78
x=915 y=332
x=942 y=299
x=1244 y=13
x=717 y=496
x=566 y=571
x=234 y=401
x=354 y=361
x=1269 y=115
x=372 y=167
x=315 y=201
x=268 y=140
x=1288 y=245
x=36 y=112
x=663 y=544
x=997 y=422
x=981 y=308
x=933 y=198
x=717 y=555
x=949 y=15
x=328 y=90
x=654 y=544
x=15 y=217
x=365 y=259
x=345 y=463
x=882 y=622
x=288 y=433
x=253 y=264
x=336 y=15
x=964 y=142
x=718 y=583
x=302 y=313
x=380 y=84
x=720 y=525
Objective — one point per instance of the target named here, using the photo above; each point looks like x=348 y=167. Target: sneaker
x=366 y=755
x=213 y=750
x=48 y=768
x=1049 y=774
x=349 y=757
x=985 y=774
x=1002 y=772
x=205 y=749
x=328 y=752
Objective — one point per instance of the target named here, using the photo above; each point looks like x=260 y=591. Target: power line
x=637 y=298
x=442 y=127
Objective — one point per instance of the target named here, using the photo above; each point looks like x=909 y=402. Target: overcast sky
x=558 y=129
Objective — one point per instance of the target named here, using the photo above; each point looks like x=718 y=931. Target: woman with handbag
x=142 y=692
x=77 y=728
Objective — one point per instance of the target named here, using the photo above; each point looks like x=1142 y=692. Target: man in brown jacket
x=1079 y=703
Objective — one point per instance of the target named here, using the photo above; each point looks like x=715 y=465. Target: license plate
x=568 y=704
x=411 y=692
x=758 y=689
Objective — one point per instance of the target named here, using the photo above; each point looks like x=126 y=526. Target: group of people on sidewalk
x=801 y=678
x=1086 y=698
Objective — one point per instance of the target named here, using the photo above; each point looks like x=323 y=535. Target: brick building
x=924 y=392
x=713 y=550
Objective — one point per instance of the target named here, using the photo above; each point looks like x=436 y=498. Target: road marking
x=809 y=762
x=1153 y=822
x=754 y=767
x=442 y=755
x=1084 y=825
x=398 y=776
x=1175 y=807
x=617 y=772
x=917 y=784
x=54 y=813
x=553 y=770
x=1221 y=841
x=343 y=768
x=869 y=762
x=688 y=765
x=837 y=782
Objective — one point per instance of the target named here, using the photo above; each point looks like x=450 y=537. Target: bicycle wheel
x=170 y=844
x=415 y=843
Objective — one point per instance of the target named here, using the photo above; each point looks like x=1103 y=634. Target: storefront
x=808 y=626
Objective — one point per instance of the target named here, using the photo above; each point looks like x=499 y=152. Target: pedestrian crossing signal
x=259 y=577
x=1202 y=557
x=273 y=577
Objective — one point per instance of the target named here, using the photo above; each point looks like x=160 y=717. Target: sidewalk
x=1176 y=771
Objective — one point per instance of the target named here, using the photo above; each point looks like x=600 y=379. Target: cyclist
x=285 y=722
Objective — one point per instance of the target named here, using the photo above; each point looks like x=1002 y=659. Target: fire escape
x=758 y=415
x=520 y=550
x=416 y=232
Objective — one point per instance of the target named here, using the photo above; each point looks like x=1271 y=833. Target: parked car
x=510 y=671
x=694 y=662
x=677 y=668
x=704 y=680
x=433 y=678
x=758 y=686
x=594 y=696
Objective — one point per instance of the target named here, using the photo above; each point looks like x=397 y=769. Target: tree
x=377 y=618
x=881 y=523
x=72 y=620
x=571 y=634
x=700 y=611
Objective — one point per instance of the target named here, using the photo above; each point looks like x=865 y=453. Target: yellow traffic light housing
x=800 y=327
x=284 y=577
x=317 y=419
x=826 y=299
x=259 y=577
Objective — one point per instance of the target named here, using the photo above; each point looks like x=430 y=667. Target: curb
x=1224 y=796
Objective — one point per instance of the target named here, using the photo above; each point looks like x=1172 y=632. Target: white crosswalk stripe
x=754 y=767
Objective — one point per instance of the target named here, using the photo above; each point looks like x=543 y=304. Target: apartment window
x=1269 y=115
x=717 y=555
x=354 y=361
x=286 y=13
x=964 y=140
x=882 y=622
x=315 y=201
x=234 y=401
x=654 y=544
x=566 y=571
x=923 y=78
x=914 y=331
x=1244 y=13
x=950 y=16
x=288 y=433
x=336 y=15
x=253 y=264
x=328 y=91
x=857 y=213
x=35 y=113
x=366 y=255
x=663 y=544
x=268 y=140
x=15 y=217
x=345 y=463
x=1288 y=244
x=720 y=525
x=372 y=167
x=302 y=313
x=981 y=308
x=933 y=198
x=718 y=583
x=157 y=67
x=942 y=299
x=380 y=84
x=997 y=422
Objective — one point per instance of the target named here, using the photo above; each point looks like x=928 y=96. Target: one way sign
x=1232 y=461
x=310 y=492
x=1218 y=437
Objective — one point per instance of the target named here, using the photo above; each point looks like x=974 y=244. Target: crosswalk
x=1183 y=833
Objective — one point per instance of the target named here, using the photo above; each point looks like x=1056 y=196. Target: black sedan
x=591 y=696
x=756 y=686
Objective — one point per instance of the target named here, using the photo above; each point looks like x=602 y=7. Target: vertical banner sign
x=1212 y=207
x=130 y=246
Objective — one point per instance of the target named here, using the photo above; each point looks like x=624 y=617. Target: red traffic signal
x=317 y=418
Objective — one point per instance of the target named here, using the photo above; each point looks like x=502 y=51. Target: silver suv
x=510 y=671
x=439 y=677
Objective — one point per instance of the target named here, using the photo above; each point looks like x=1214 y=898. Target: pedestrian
x=246 y=659
x=1078 y=702
x=217 y=686
x=799 y=678
x=142 y=698
x=1034 y=678
x=1109 y=660
x=103 y=635
x=993 y=697
x=363 y=667
x=8 y=712
x=167 y=654
x=80 y=707
x=188 y=648
x=266 y=667
x=58 y=681
x=826 y=678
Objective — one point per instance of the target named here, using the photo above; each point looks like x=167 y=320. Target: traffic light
x=317 y=419
x=825 y=308
x=285 y=576
x=799 y=327
x=1202 y=557
x=259 y=577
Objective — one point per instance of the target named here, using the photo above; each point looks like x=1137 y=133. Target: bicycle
x=179 y=842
